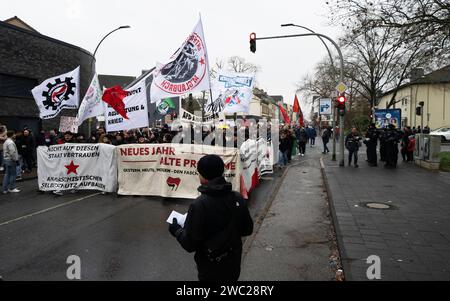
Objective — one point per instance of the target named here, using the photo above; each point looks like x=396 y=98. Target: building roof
x=13 y=23
x=261 y=94
x=16 y=21
x=440 y=76
x=108 y=81
x=277 y=98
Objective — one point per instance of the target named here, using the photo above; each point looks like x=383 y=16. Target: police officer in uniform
x=371 y=142
x=383 y=137
x=392 y=138
x=214 y=225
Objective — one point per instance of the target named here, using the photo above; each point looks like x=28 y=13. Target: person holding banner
x=214 y=225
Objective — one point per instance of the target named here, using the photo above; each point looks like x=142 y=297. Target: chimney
x=415 y=74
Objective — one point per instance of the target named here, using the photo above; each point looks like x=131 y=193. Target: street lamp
x=92 y=61
x=320 y=36
x=323 y=42
x=96 y=48
x=333 y=157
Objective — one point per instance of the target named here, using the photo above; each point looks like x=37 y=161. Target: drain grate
x=376 y=205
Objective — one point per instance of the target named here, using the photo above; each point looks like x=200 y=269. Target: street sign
x=325 y=106
x=341 y=87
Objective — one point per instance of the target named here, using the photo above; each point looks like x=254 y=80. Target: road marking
x=48 y=209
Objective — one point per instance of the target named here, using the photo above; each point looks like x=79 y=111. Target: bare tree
x=238 y=64
x=413 y=22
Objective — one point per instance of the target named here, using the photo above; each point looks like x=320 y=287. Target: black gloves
x=174 y=228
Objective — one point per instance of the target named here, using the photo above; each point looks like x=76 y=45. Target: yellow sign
x=341 y=87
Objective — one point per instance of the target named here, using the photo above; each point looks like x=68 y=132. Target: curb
x=263 y=212
x=340 y=244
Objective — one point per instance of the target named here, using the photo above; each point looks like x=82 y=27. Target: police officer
x=383 y=137
x=371 y=142
x=352 y=142
x=214 y=225
x=392 y=138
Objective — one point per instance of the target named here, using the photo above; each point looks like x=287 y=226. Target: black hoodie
x=207 y=218
x=211 y=212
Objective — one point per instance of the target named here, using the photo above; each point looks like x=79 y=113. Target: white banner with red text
x=77 y=167
x=169 y=170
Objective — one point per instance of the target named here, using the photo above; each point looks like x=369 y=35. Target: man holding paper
x=215 y=224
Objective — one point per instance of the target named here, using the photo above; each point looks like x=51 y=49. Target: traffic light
x=341 y=104
x=253 y=42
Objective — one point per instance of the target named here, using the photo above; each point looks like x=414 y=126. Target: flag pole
x=209 y=79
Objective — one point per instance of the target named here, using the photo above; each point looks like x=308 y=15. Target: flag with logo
x=126 y=109
x=92 y=104
x=159 y=110
x=57 y=93
x=187 y=70
x=232 y=93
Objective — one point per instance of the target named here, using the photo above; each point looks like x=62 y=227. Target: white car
x=444 y=132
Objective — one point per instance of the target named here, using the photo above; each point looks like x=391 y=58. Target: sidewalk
x=412 y=238
x=293 y=242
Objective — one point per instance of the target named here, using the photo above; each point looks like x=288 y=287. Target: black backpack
x=220 y=246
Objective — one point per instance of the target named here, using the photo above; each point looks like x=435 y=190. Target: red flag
x=285 y=114
x=114 y=97
x=296 y=107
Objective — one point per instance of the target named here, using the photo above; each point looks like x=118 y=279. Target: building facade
x=433 y=89
x=28 y=58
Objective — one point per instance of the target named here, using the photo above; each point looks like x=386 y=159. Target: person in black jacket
x=214 y=225
x=326 y=134
x=283 y=148
x=371 y=142
x=392 y=139
x=302 y=138
x=352 y=143
x=27 y=148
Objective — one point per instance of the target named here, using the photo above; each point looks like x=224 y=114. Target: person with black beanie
x=215 y=224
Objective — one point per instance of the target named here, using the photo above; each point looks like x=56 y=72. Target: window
x=16 y=86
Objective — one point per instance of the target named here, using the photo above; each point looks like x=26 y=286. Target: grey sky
x=159 y=27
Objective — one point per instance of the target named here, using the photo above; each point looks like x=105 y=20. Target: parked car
x=444 y=132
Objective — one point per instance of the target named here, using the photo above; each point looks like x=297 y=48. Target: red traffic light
x=341 y=99
x=253 y=42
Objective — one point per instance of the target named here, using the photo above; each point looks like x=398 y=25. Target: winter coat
x=352 y=142
x=207 y=217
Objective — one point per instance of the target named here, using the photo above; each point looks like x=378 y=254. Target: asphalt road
x=116 y=238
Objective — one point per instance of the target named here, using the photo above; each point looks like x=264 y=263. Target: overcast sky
x=159 y=27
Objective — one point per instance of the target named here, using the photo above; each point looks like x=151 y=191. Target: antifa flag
x=57 y=93
x=114 y=97
x=285 y=114
x=187 y=71
x=298 y=110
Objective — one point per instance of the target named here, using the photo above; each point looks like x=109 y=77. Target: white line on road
x=48 y=209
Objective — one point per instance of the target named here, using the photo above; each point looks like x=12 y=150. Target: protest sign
x=77 y=166
x=169 y=170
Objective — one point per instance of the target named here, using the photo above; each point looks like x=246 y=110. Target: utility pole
x=341 y=75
